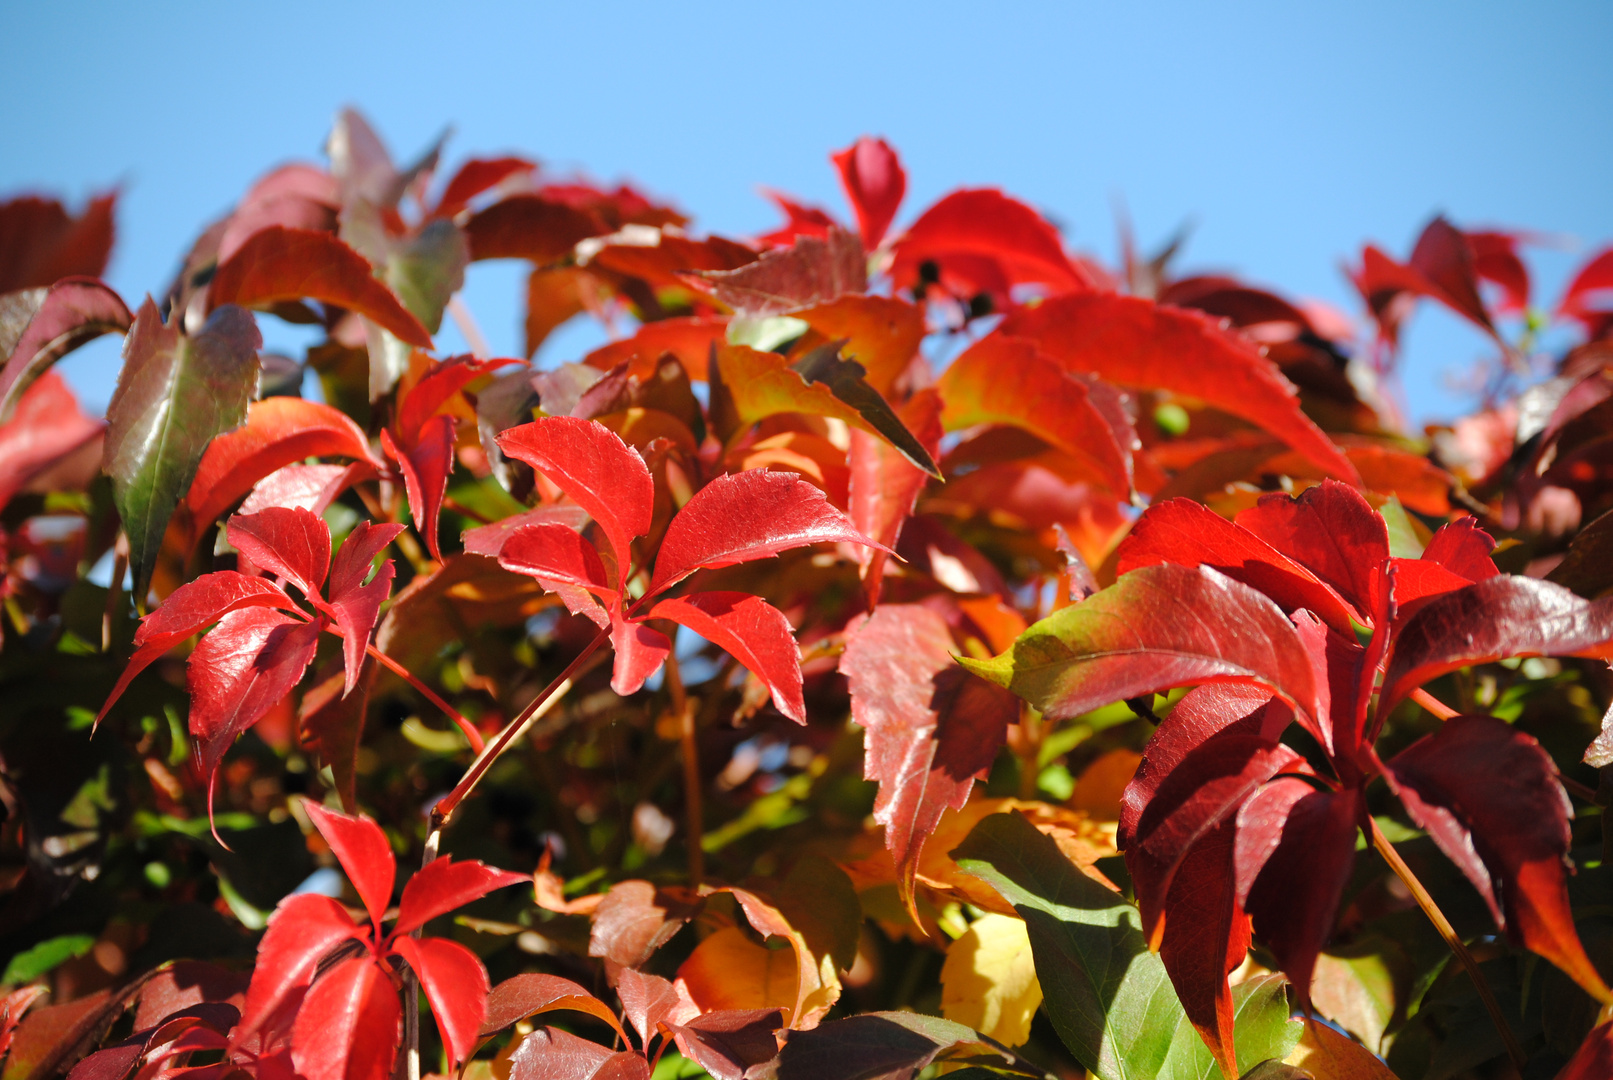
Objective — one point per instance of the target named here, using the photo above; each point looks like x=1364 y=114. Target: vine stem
x=477 y=743
x=694 y=811
x=1446 y=931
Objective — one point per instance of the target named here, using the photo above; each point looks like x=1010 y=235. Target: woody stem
x=1446 y=931
x=477 y=743
x=694 y=812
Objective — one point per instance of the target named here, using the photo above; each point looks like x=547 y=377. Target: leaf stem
x=477 y=743
x=694 y=811
x=1446 y=931
x=513 y=730
x=1433 y=704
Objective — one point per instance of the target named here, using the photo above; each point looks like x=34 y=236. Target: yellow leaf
x=730 y=971
x=1327 y=1055
x=989 y=980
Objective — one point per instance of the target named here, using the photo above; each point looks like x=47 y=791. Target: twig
x=120 y=566
x=1443 y=925
x=460 y=508
x=467 y=326
x=694 y=811
x=477 y=743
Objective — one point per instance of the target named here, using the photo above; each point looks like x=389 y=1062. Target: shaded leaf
x=812 y=271
x=40 y=243
x=989 y=980
x=50 y=324
x=888 y=1046
x=845 y=380
x=884 y=486
x=515 y=999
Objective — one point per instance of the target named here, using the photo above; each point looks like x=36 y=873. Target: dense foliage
x=901 y=649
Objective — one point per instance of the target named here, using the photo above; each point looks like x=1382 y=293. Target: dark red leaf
x=426 y=468
x=1594 y=277
x=476 y=176
x=564 y=563
x=244 y=668
x=71 y=312
x=551 y=1054
x=1445 y=260
x=1495 y=259
x=729 y=1042
x=745 y=516
x=1295 y=853
x=750 y=630
x=279 y=431
x=191 y=608
x=515 y=999
x=1134 y=342
x=302 y=931
x=331 y=724
x=347 y=1028
x=984 y=226
x=40 y=244
x=361 y=847
x=647 y=1001
x=1334 y=533
x=634 y=920
x=931 y=729
x=185 y=983
x=456 y=986
x=640 y=651
x=885 y=486
x=1490 y=620
x=1594 y=1059
x=875 y=182
x=1206 y=936
x=443 y=885
x=45 y=429
x=354 y=605
x=597 y=469
x=293 y=544
x=1489 y=796
x=279 y=264
x=800 y=220
x=530 y=227
x=1187 y=533
x=660 y=258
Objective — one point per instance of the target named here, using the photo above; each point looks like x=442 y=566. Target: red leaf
x=660 y=258
x=428 y=396
x=812 y=271
x=244 y=668
x=750 y=630
x=1462 y=548
x=999 y=380
x=330 y=721
x=1489 y=796
x=476 y=176
x=443 y=885
x=293 y=544
x=310 y=487
x=1331 y=531
x=456 y=985
x=1594 y=1058
x=426 y=468
x=517 y=998
x=1156 y=628
x=745 y=516
x=1134 y=342
x=347 y=1028
x=1295 y=853
x=1489 y=620
x=552 y=1054
x=490 y=539
x=279 y=431
x=647 y=1000
x=800 y=220
x=74 y=310
x=640 y=651
x=1445 y=260
x=930 y=729
x=1206 y=789
x=354 y=605
x=885 y=486
x=1206 y=936
x=1495 y=259
x=875 y=182
x=302 y=932
x=279 y=264
x=597 y=469
x=40 y=244
x=689 y=339
x=190 y=608
x=564 y=563
x=46 y=427
x=1595 y=276
x=1009 y=242
x=634 y=920
x=727 y=1043
x=361 y=847
x=1186 y=533
x=530 y=227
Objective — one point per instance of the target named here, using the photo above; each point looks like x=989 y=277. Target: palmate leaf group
x=903 y=624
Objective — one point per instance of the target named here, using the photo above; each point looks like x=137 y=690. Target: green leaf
x=1109 y=997
x=1403 y=541
x=30 y=964
x=428 y=270
x=174 y=394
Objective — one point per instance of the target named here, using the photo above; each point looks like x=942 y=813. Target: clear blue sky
x=1290 y=133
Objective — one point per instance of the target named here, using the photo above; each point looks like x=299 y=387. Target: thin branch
x=1443 y=925
x=693 y=796
x=477 y=743
x=467 y=327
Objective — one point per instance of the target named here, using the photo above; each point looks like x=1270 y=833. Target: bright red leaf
x=750 y=630
x=875 y=182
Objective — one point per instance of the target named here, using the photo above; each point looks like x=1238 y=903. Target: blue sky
x=1288 y=133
